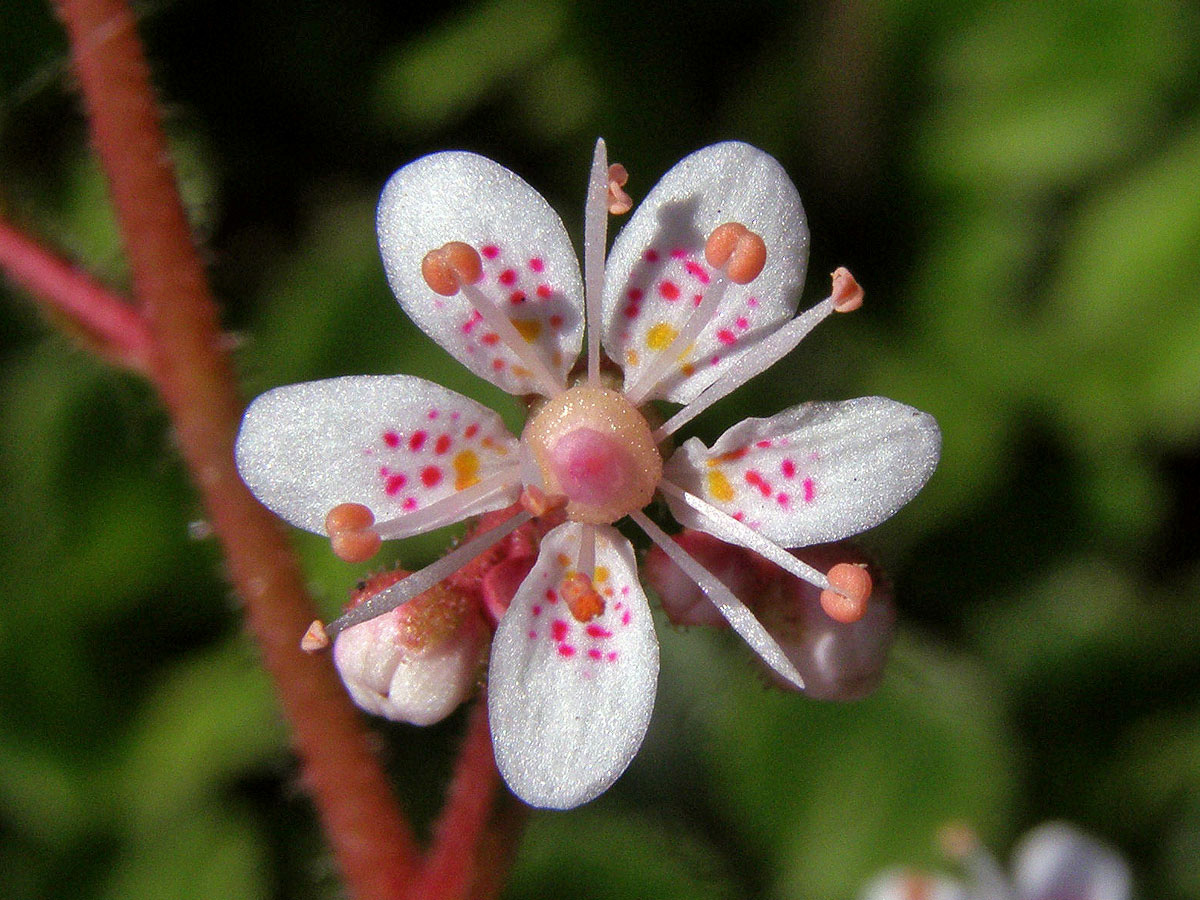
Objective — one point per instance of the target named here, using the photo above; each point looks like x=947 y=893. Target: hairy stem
x=370 y=836
x=112 y=327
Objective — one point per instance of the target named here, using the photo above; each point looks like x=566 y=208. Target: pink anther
x=315 y=638
x=845 y=600
x=847 y=296
x=738 y=250
x=451 y=266
x=350 y=535
x=619 y=202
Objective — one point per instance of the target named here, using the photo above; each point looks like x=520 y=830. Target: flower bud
x=838 y=661
x=418 y=662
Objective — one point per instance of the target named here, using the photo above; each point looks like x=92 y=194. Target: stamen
x=582 y=598
x=734 y=610
x=419 y=582
x=350 y=533
x=724 y=526
x=846 y=598
x=738 y=250
x=847 y=296
x=595 y=237
x=456 y=266
x=587 y=550
x=449 y=509
x=619 y=202
x=757 y=358
x=731 y=247
x=315 y=638
x=537 y=503
x=449 y=267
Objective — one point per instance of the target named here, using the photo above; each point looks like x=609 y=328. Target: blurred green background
x=1016 y=185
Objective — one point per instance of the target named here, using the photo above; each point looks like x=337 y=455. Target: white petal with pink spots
x=530 y=271
x=569 y=701
x=394 y=443
x=656 y=274
x=814 y=473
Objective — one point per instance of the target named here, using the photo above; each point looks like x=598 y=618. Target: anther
x=846 y=295
x=449 y=267
x=845 y=600
x=537 y=503
x=738 y=250
x=315 y=638
x=619 y=202
x=581 y=598
x=350 y=534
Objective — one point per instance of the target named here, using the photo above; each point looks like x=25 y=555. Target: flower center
x=592 y=446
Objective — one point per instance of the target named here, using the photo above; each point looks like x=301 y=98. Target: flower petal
x=815 y=473
x=570 y=701
x=1055 y=860
x=530 y=271
x=905 y=884
x=657 y=269
x=394 y=443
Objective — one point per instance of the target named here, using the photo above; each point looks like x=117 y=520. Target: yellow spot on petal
x=497 y=448
x=687 y=369
x=631 y=358
x=719 y=487
x=466 y=469
x=520 y=371
x=564 y=560
x=659 y=337
x=601 y=574
x=530 y=329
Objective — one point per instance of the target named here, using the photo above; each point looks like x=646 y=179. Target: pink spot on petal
x=556 y=322
x=391 y=439
x=752 y=302
x=788 y=468
x=536 y=264
x=417 y=441
x=697 y=299
x=409 y=504
x=533 y=635
x=650 y=256
x=442 y=444
x=595 y=653
x=715 y=359
x=544 y=291
x=551 y=595
x=559 y=629
x=624 y=593
x=431 y=476
x=516 y=297
x=762 y=445
x=741 y=323
x=612 y=656
x=668 y=290
x=725 y=336
x=491 y=339
x=537 y=609
x=598 y=631
x=625 y=617
x=432 y=415
x=810 y=490
x=755 y=479
x=395 y=484
x=491 y=251
x=634 y=294
x=678 y=253
x=631 y=311
x=696 y=271
x=783 y=500
x=508 y=277
x=471 y=431
x=566 y=650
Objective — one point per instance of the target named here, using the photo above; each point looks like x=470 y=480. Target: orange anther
x=738 y=250
x=581 y=598
x=845 y=600
x=349 y=528
x=449 y=267
x=315 y=638
x=619 y=202
x=537 y=503
x=847 y=296
x=957 y=840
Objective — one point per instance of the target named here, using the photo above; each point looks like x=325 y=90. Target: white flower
x=698 y=295
x=1054 y=861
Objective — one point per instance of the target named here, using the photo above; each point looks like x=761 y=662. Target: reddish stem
x=370 y=836
x=450 y=867
x=114 y=328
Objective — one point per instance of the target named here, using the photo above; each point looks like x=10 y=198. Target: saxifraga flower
x=698 y=295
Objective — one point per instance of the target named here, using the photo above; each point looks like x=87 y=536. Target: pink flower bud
x=838 y=661
x=418 y=662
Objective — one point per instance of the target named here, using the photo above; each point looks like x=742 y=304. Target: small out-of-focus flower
x=698 y=296
x=838 y=660
x=1054 y=861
